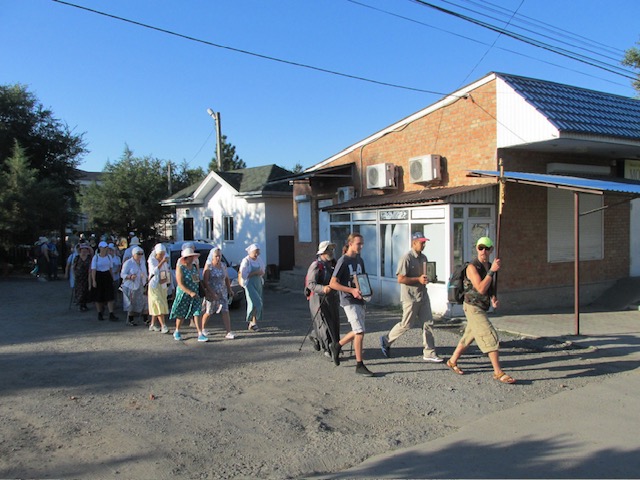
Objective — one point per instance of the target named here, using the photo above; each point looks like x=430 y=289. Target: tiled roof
x=578 y=110
x=256 y=179
x=428 y=195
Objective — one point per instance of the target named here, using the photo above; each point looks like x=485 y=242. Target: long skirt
x=103 y=292
x=134 y=301
x=253 y=289
x=158 y=304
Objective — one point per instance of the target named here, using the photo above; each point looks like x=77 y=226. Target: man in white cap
x=323 y=300
x=412 y=276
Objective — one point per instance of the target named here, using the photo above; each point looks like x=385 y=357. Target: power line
x=530 y=41
x=471 y=39
x=246 y=52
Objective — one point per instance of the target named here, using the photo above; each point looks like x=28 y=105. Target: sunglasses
x=482 y=247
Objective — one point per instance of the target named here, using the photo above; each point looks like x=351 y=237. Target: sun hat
x=188 y=252
x=486 y=241
x=252 y=247
x=103 y=244
x=134 y=241
x=419 y=236
x=324 y=246
x=42 y=240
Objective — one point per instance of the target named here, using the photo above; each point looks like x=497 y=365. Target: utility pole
x=216 y=118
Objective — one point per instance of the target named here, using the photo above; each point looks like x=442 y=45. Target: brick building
x=435 y=172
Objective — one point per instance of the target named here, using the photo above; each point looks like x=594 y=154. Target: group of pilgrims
x=147 y=286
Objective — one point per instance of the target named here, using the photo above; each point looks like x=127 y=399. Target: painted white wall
x=520 y=123
x=279 y=221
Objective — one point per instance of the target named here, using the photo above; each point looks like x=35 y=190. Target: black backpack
x=455 y=287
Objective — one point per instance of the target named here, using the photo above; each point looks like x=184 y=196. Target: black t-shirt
x=344 y=271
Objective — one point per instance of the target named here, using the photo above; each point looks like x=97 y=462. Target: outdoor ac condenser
x=425 y=168
x=382 y=175
x=345 y=194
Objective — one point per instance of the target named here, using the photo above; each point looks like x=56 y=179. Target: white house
x=237 y=208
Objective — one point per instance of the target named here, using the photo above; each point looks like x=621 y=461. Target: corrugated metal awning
x=576 y=184
x=419 y=197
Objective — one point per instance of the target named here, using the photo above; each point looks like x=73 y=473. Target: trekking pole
x=313 y=319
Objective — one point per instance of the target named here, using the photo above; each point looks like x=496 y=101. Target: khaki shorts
x=479 y=328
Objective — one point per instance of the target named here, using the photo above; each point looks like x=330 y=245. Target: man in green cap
x=478 y=297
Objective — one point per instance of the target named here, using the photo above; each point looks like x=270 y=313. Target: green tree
x=298 y=168
x=230 y=160
x=48 y=146
x=128 y=199
x=632 y=59
x=182 y=176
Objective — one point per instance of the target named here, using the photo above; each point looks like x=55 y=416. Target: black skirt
x=103 y=291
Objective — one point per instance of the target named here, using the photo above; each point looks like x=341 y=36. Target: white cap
x=324 y=246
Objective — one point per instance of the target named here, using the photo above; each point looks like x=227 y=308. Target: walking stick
x=313 y=319
x=501 y=185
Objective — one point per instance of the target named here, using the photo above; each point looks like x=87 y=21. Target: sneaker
x=316 y=344
x=113 y=318
x=205 y=332
x=230 y=336
x=364 y=371
x=154 y=328
x=165 y=329
x=203 y=338
x=335 y=352
x=100 y=317
x=385 y=347
x=433 y=358
x=176 y=335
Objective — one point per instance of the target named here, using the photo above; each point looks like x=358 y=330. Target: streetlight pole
x=216 y=118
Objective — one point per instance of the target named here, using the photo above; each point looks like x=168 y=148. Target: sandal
x=454 y=367
x=503 y=377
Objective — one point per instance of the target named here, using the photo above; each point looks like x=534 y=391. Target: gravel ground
x=88 y=399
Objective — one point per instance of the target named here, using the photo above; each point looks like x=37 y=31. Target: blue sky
x=122 y=84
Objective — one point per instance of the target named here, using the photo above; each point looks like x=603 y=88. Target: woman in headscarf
x=218 y=290
x=251 y=273
x=102 y=281
x=187 y=304
x=134 y=276
x=159 y=280
x=81 y=268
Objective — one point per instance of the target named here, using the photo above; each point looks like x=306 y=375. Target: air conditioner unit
x=345 y=194
x=425 y=168
x=382 y=175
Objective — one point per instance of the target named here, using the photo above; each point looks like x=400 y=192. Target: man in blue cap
x=412 y=275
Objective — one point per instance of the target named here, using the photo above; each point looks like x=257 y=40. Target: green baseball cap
x=486 y=241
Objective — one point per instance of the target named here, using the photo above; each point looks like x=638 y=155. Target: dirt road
x=93 y=400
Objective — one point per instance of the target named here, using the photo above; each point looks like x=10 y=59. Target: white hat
x=159 y=248
x=103 y=244
x=137 y=250
x=134 y=241
x=188 y=252
x=42 y=240
x=252 y=247
x=324 y=246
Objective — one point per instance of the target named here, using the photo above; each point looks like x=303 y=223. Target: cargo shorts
x=479 y=328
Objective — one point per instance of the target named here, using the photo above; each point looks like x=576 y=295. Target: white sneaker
x=434 y=359
x=230 y=336
x=153 y=328
x=205 y=332
x=165 y=329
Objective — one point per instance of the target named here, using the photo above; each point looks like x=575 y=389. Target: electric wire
x=480 y=42
x=530 y=41
x=247 y=52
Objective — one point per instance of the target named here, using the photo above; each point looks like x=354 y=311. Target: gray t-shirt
x=412 y=264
